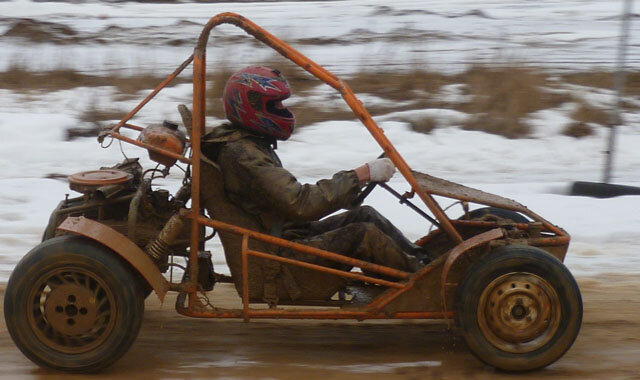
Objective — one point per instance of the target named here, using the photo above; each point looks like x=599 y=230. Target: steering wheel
x=369 y=188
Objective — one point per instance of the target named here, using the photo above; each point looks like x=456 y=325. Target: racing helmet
x=253 y=98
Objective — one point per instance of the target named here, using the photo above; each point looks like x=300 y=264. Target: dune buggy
x=75 y=302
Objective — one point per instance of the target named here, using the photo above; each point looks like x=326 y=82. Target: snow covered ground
x=446 y=34
x=343 y=35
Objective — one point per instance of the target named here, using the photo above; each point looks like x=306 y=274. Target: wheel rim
x=71 y=310
x=519 y=312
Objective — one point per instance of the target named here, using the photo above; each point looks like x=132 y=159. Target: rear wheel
x=73 y=305
x=519 y=308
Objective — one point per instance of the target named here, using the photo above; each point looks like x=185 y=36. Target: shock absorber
x=160 y=248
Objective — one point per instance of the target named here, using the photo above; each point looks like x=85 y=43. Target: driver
x=256 y=182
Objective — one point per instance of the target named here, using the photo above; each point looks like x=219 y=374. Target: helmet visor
x=277 y=108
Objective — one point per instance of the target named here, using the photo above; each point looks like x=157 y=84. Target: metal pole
x=618 y=85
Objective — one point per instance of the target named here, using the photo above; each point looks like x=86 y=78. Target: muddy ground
x=171 y=346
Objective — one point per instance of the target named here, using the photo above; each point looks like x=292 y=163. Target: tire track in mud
x=172 y=346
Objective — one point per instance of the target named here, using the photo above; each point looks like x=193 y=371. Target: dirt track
x=608 y=346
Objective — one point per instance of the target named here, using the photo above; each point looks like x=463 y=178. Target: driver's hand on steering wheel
x=378 y=170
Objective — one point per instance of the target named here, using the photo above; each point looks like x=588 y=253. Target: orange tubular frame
x=405 y=281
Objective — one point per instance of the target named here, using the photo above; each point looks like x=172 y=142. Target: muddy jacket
x=255 y=180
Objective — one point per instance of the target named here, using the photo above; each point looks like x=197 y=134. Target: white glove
x=381 y=170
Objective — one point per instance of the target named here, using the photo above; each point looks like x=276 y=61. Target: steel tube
x=321 y=268
x=199 y=68
x=304 y=248
x=313 y=314
x=165 y=152
x=245 y=278
x=333 y=81
x=153 y=93
x=376 y=305
x=131 y=126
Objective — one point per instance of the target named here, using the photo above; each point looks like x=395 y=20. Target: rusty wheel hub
x=519 y=312
x=72 y=311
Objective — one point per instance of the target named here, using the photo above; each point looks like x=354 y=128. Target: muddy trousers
x=361 y=233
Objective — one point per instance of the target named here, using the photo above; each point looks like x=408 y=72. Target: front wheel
x=501 y=213
x=73 y=305
x=519 y=308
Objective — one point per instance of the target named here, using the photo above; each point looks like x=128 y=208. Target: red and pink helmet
x=253 y=99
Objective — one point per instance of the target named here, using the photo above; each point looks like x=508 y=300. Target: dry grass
x=423 y=125
x=599 y=79
x=96 y=118
x=309 y=114
x=398 y=86
x=507 y=125
x=96 y=115
x=586 y=113
x=298 y=79
x=499 y=98
x=217 y=80
x=503 y=96
x=19 y=79
x=22 y=80
x=605 y=80
x=578 y=129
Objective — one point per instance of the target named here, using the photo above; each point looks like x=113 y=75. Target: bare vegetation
x=19 y=79
x=586 y=113
x=423 y=125
x=41 y=31
x=217 y=80
x=578 y=129
x=605 y=80
x=96 y=118
x=307 y=114
x=503 y=97
x=398 y=86
x=498 y=99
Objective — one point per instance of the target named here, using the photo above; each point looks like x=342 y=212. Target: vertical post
x=618 y=85
x=199 y=80
x=245 y=277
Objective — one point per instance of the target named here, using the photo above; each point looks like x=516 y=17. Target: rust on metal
x=454 y=190
x=140 y=129
x=121 y=245
x=199 y=81
x=381 y=269
x=153 y=93
x=100 y=177
x=392 y=294
x=199 y=102
x=92 y=180
x=549 y=241
x=153 y=148
x=305 y=314
x=423 y=186
x=519 y=312
x=165 y=136
x=439 y=186
x=72 y=309
x=131 y=126
x=321 y=268
x=459 y=250
x=561 y=239
x=245 y=277
x=159 y=249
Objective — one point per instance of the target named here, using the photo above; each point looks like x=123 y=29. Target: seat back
x=216 y=202
x=309 y=284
